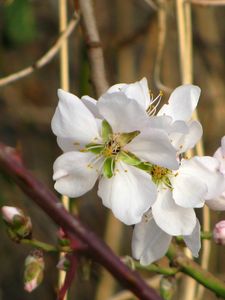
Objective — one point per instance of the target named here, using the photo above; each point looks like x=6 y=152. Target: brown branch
x=46 y=58
x=98 y=250
x=207 y=2
x=94 y=48
x=162 y=32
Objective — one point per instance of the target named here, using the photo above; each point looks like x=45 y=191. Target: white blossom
x=113 y=149
x=174 y=117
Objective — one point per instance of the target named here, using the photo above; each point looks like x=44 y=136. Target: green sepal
x=94 y=148
x=106 y=130
x=108 y=167
x=145 y=166
x=129 y=158
x=126 y=138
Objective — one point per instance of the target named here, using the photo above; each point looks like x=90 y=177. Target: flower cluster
x=137 y=154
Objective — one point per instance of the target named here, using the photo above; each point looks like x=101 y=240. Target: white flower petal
x=137 y=91
x=129 y=193
x=184 y=142
x=188 y=190
x=90 y=103
x=68 y=144
x=74 y=173
x=221 y=158
x=149 y=242
x=73 y=120
x=116 y=88
x=207 y=169
x=170 y=217
x=122 y=113
x=153 y=145
x=223 y=146
x=167 y=124
x=217 y=203
x=182 y=102
x=193 y=241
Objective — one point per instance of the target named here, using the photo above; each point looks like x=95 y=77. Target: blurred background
x=130 y=32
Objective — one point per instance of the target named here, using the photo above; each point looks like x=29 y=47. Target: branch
x=207 y=2
x=95 y=53
x=192 y=269
x=46 y=58
x=70 y=274
x=11 y=166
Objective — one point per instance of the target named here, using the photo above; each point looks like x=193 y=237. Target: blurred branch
x=95 y=53
x=69 y=276
x=207 y=2
x=11 y=165
x=162 y=30
x=152 y=4
x=65 y=85
x=46 y=58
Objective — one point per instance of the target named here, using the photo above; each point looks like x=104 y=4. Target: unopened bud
x=18 y=225
x=63 y=263
x=34 y=271
x=219 y=233
x=11 y=214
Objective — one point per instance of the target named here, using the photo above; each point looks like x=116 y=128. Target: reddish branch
x=98 y=250
x=69 y=275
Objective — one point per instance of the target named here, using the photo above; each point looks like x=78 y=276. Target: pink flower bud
x=10 y=212
x=219 y=233
x=34 y=271
x=18 y=224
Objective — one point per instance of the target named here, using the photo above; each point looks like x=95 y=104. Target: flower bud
x=10 y=212
x=219 y=233
x=18 y=225
x=34 y=271
x=63 y=264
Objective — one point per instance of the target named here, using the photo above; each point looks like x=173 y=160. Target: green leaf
x=108 y=167
x=94 y=148
x=106 y=130
x=126 y=138
x=129 y=158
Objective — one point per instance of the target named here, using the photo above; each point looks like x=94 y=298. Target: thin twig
x=184 y=25
x=207 y=2
x=95 y=53
x=162 y=30
x=46 y=58
x=98 y=250
x=64 y=83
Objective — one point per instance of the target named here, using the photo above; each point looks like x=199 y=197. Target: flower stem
x=43 y=246
x=192 y=269
x=155 y=268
